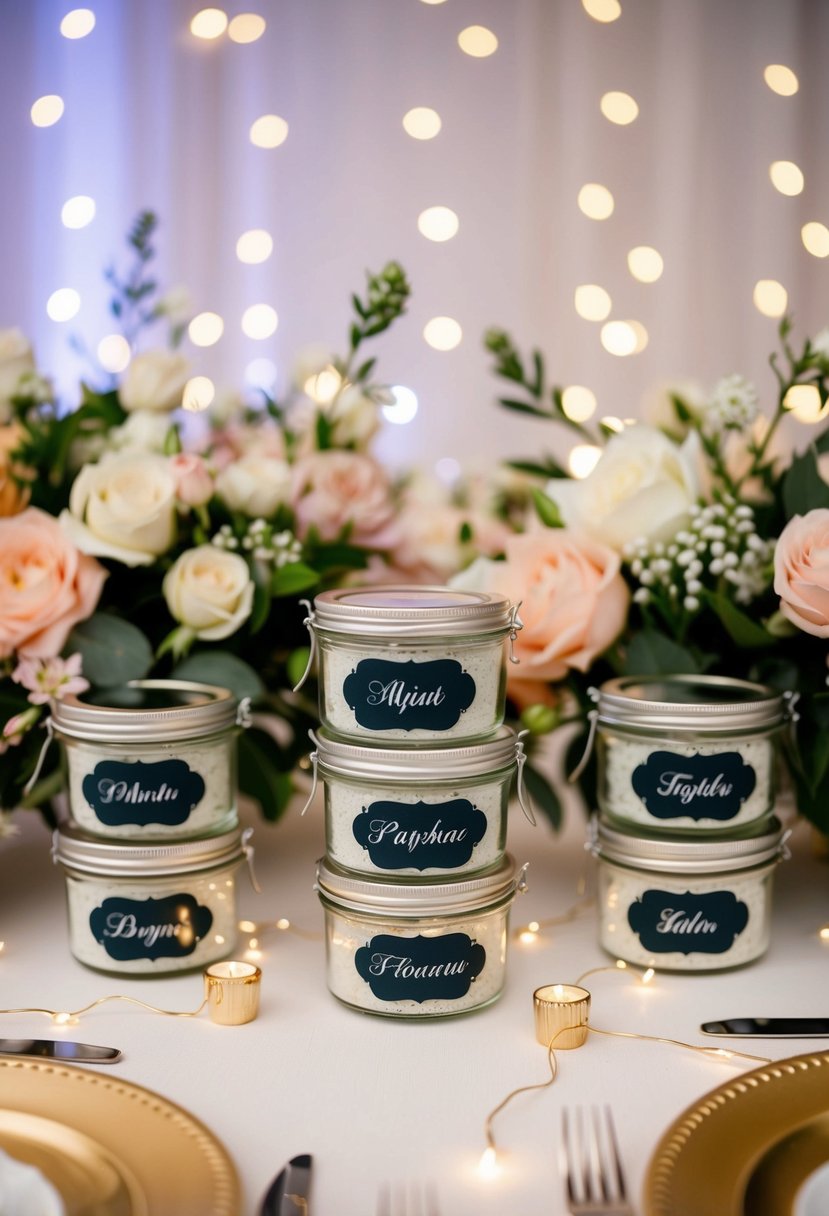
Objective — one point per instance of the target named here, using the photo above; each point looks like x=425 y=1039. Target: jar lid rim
x=699 y=702
x=343 y=757
x=204 y=709
x=416 y=610
x=447 y=896
x=80 y=850
x=688 y=854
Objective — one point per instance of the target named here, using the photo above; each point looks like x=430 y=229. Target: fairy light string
x=488 y=1165
x=73 y=1016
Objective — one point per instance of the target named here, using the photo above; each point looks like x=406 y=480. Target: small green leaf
x=172 y=442
x=740 y=627
x=259 y=776
x=549 y=468
x=803 y=487
x=465 y=533
x=652 y=653
x=222 y=668
x=523 y=407
x=297 y=664
x=113 y=651
x=293 y=578
x=323 y=433
x=546 y=509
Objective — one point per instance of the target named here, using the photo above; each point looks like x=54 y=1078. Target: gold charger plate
x=745 y=1147
x=112 y=1148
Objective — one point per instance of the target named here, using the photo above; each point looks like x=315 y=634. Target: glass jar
x=416 y=951
x=151 y=760
x=687 y=754
x=151 y=909
x=412 y=665
x=686 y=905
x=418 y=816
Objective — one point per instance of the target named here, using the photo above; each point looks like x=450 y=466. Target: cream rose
x=143 y=431
x=642 y=486
x=354 y=418
x=255 y=485
x=801 y=572
x=332 y=489
x=209 y=591
x=124 y=507
x=16 y=361
x=46 y=585
x=430 y=546
x=154 y=380
x=574 y=601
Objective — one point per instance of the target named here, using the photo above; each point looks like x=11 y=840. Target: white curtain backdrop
x=156 y=118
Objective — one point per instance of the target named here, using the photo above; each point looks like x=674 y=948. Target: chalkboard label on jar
x=697 y=787
x=163 y=791
x=130 y=929
x=420 y=835
x=666 y=922
x=419 y=968
x=385 y=695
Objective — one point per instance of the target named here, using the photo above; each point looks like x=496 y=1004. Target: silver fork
x=594 y=1179
x=413 y=1200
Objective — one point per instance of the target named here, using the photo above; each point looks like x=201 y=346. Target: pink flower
x=430 y=547
x=801 y=572
x=574 y=600
x=332 y=489
x=194 y=485
x=16 y=727
x=46 y=585
x=49 y=679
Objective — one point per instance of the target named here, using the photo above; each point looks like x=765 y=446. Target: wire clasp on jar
x=308 y=622
x=516 y=624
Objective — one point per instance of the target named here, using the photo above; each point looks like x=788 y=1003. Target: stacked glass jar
x=152 y=846
x=686 y=837
x=417 y=769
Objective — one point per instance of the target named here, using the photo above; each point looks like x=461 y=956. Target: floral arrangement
x=694 y=545
x=138 y=540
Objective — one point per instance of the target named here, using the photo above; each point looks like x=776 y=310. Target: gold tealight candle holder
x=231 y=990
x=562 y=1012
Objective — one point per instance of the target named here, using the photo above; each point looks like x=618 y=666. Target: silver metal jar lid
x=416 y=612
x=687 y=856
x=717 y=704
x=91 y=855
x=450 y=896
x=424 y=764
x=143 y=711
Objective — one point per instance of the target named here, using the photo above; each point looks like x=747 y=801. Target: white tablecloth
x=376 y=1099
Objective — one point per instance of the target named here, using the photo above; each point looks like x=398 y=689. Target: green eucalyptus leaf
x=546 y=509
x=803 y=487
x=740 y=627
x=259 y=776
x=543 y=795
x=652 y=653
x=293 y=578
x=222 y=668
x=112 y=650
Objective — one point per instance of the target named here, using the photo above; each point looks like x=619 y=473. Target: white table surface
x=377 y=1099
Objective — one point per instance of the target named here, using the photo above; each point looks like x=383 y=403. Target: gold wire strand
x=719 y=1053
x=102 y=1000
x=524 y=1089
x=583 y=904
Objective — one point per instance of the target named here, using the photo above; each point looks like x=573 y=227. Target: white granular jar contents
x=686 y=905
x=151 y=909
x=412 y=665
x=153 y=760
x=418 y=815
x=691 y=755
x=416 y=951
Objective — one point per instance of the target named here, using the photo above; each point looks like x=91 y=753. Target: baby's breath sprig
x=719 y=551
x=262 y=542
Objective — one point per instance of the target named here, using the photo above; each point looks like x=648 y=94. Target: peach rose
x=332 y=489
x=46 y=585
x=13 y=495
x=574 y=600
x=430 y=547
x=801 y=571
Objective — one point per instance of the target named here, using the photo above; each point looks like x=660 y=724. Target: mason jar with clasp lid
x=151 y=760
x=415 y=951
x=420 y=815
x=411 y=666
x=687 y=754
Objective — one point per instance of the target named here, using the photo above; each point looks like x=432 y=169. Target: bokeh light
x=206 y=329
x=63 y=304
x=602 y=10
x=114 y=353
x=770 y=297
x=619 y=338
x=592 y=302
x=255 y=245
x=259 y=321
x=781 y=79
x=48 y=110
x=78 y=23
x=583 y=459
x=477 y=41
x=645 y=263
x=619 y=108
x=246 y=27
x=209 y=23
x=596 y=201
x=786 y=177
x=442 y=333
x=198 y=393
x=422 y=122
x=578 y=402
x=404 y=408
x=803 y=401
x=77 y=212
x=324 y=386
x=438 y=223
x=815 y=237
x=269 y=131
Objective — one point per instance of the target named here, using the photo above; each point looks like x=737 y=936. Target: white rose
x=642 y=486
x=16 y=361
x=143 y=431
x=255 y=485
x=209 y=591
x=354 y=418
x=154 y=380
x=124 y=507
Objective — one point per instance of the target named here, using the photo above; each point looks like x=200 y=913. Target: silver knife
x=60 y=1049
x=288 y=1193
x=767 y=1028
